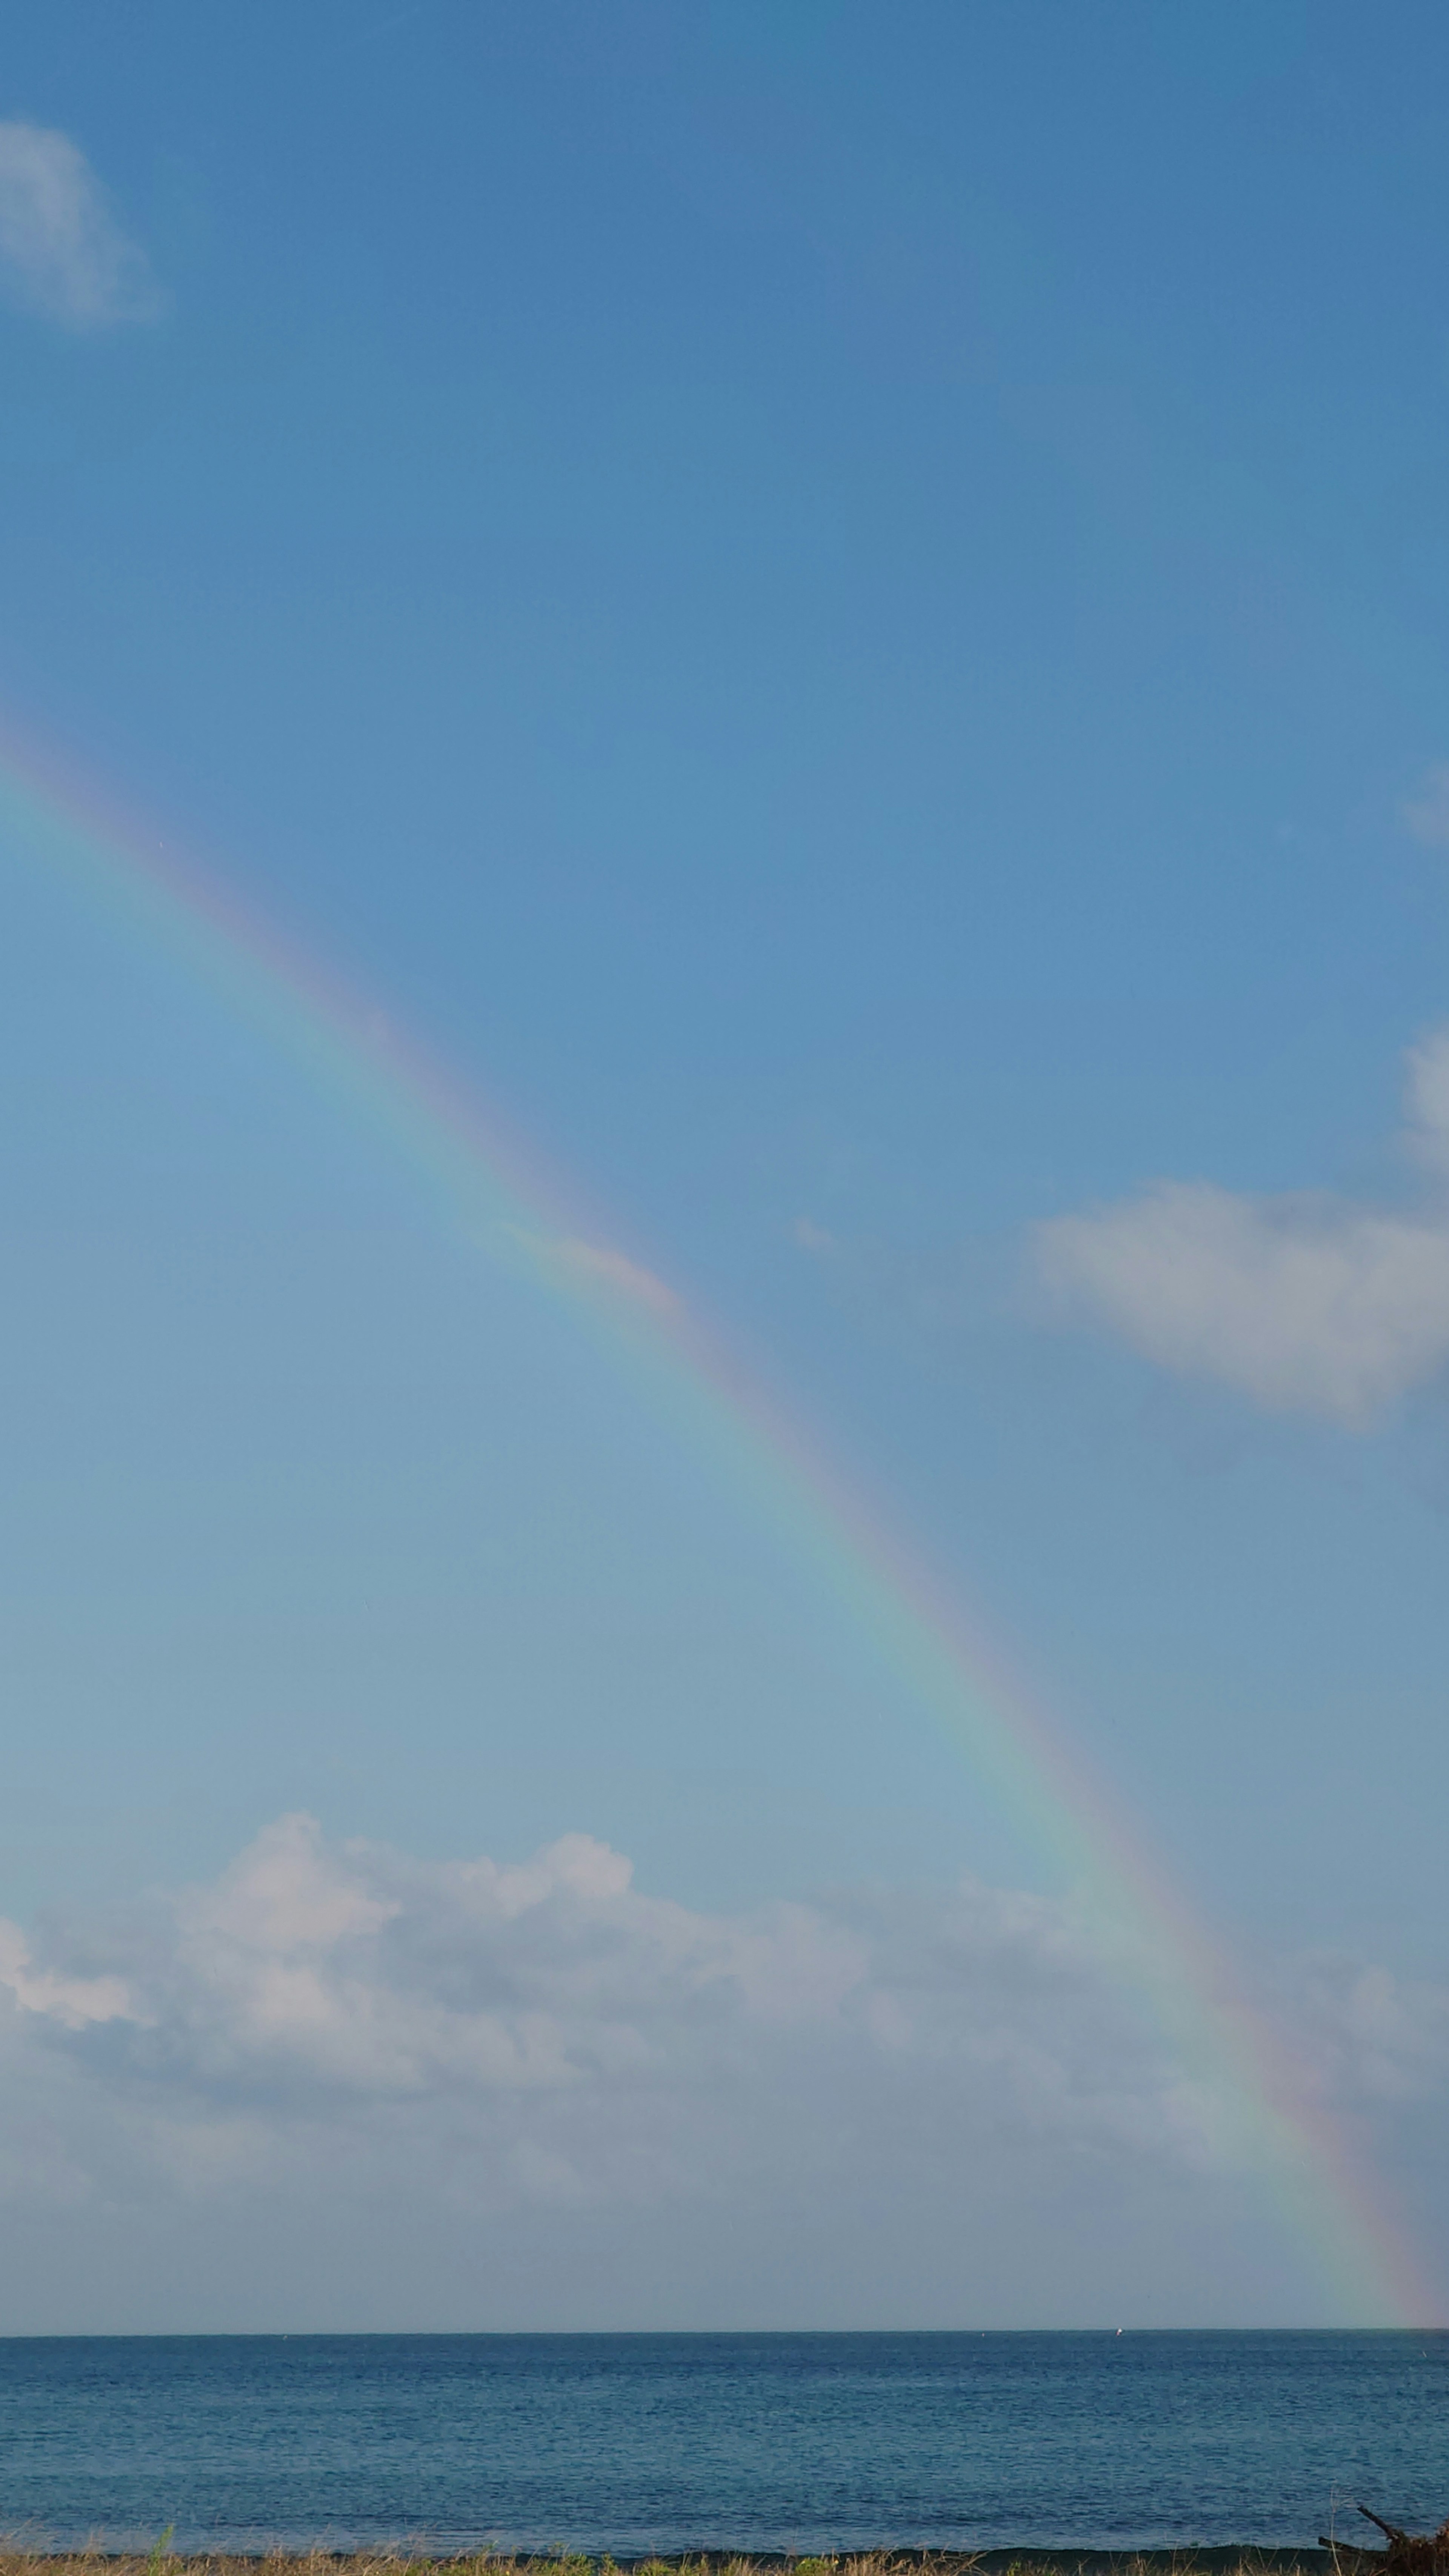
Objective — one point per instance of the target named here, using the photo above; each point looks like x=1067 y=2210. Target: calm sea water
x=639 y=2442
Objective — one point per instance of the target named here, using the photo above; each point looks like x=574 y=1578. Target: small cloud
x=62 y=252
x=1429 y=1101
x=597 y=1263
x=615 y=1270
x=1314 y=1305
x=812 y=1237
x=1427 y=814
x=71 y=2001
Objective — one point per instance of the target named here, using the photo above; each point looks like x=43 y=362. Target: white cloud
x=311 y=1977
x=71 y=2001
x=352 y=2085
x=1429 y=1100
x=61 y=251
x=1427 y=814
x=599 y=1261
x=1316 y=1305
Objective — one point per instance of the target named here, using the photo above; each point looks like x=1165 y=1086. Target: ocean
x=797 y=2442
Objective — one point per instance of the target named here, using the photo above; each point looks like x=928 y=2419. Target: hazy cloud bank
x=1317 y=1305
x=588 y=2034
x=62 y=253
x=617 y=2106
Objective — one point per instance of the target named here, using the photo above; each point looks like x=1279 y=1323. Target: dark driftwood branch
x=1409 y=2553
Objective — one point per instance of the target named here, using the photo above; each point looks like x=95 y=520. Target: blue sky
x=845 y=612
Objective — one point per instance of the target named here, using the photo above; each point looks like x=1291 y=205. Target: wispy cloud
x=1426 y=813
x=614 y=1270
x=1311 y=1304
x=62 y=253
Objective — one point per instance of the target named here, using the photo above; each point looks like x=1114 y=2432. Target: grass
x=16 y=2560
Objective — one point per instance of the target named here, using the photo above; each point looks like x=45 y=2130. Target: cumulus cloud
x=576 y=2023
x=340 y=2066
x=62 y=252
x=1310 y=1304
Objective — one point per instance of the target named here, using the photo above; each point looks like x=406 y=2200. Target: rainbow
x=1264 y=2108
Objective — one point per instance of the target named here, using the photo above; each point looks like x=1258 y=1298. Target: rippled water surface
x=638 y=2442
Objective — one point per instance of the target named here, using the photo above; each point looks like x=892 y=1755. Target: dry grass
x=16 y=2560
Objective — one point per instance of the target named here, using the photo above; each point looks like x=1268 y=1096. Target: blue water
x=669 y=2442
